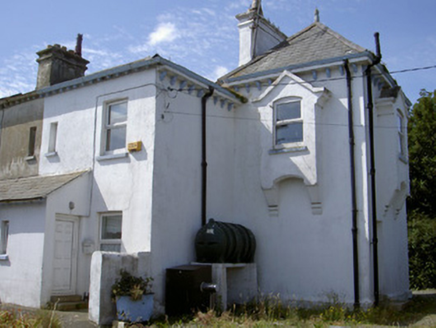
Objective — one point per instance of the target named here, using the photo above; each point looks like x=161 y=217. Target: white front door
x=65 y=255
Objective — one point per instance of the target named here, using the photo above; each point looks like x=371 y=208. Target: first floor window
x=52 y=137
x=400 y=129
x=115 y=126
x=4 y=237
x=288 y=123
x=32 y=142
x=110 y=232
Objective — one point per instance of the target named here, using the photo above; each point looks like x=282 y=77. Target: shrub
x=422 y=252
x=129 y=285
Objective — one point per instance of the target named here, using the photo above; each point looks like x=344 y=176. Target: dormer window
x=288 y=124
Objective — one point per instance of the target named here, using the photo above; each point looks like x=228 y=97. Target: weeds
x=271 y=312
x=19 y=319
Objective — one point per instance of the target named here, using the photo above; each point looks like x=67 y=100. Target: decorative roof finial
x=316 y=16
x=256 y=6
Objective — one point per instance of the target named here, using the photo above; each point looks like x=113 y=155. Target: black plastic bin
x=182 y=289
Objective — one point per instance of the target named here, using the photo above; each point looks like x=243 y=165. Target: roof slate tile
x=315 y=43
x=31 y=188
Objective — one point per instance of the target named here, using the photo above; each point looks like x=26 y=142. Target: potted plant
x=133 y=297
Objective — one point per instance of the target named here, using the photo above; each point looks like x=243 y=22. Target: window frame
x=110 y=241
x=400 y=133
x=4 y=236
x=286 y=122
x=108 y=127
x=31 y=146
x=52 y=139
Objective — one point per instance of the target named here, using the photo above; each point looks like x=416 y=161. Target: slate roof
x=34 y=188
x=314 y=44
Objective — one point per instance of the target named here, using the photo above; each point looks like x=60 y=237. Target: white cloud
x=165 y=32
x=218 y=72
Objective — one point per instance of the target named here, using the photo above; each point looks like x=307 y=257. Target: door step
x=68 y=302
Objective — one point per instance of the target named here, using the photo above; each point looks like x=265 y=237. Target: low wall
x=105 y=268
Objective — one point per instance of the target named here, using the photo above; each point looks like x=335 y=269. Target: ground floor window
x=110 y=231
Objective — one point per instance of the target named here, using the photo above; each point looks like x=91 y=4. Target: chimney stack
x=57 y=64
x=257 y=35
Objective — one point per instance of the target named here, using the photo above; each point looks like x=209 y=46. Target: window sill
x=51 y=154
x=287 y=150
x=112 y=156
x=30 y=158
x=4 y=257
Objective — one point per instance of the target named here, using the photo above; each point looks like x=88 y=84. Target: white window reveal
x=288 y=124
x=400 y=128
x=51 y=150
x=4 y=233
x=31 y=147
x=111 y=232
x=115 y=127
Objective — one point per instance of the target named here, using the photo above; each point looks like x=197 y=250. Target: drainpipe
x=370 y=107
x=353 y=188
x=203 y=155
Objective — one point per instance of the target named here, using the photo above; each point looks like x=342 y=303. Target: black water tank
x=183 y=293
x=222 y=242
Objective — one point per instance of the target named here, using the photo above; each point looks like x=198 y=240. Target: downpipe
x=354 y=229
x=372 y=171
x=204 y=99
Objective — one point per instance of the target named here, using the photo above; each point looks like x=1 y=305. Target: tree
x=422 y=155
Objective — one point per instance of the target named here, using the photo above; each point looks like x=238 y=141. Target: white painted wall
x=77 y=192
x=177 y=178
x=302 y=255
x=115 y=184
x=21 y=274
x=393 y=188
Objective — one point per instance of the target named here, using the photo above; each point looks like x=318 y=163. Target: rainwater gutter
x=354 y=210
x=370 y=107
x=204 y=99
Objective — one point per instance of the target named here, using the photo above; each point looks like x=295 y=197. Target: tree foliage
x=422 y=252
x=422 y=155
x=422 y=201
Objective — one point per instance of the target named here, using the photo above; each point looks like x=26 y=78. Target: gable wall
x=301 y=254
x=15 y=124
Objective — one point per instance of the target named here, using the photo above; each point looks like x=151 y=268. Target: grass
x=21 y=319
x=270 y=312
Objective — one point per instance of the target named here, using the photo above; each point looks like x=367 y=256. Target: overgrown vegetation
x=271 y=312
x=422 y=252
x=20 y=319
x=421 y=204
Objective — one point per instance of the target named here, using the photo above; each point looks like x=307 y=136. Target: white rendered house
x=291 y=155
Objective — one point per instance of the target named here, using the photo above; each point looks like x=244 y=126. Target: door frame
x=74 y=255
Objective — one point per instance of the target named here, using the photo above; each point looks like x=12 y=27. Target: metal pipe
x=372 y=171
x=204 y=99
x=354 y=228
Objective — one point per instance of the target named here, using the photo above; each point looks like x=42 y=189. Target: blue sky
x=202 y=34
